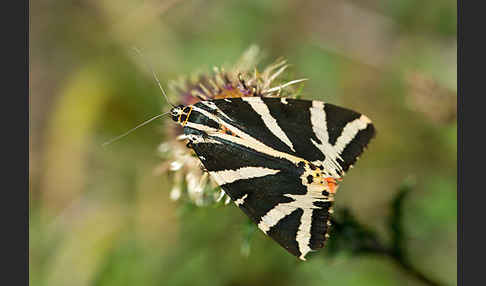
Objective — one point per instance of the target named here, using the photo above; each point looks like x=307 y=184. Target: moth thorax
x=181 y=113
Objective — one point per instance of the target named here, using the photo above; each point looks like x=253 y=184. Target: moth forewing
x=279 y=159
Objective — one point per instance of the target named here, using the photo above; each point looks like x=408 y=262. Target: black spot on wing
x=310 y=179
x=294 y=119
x=336 y=118
x=319 y=226
x=285 y=231
x=356 y=146
x=246 y=119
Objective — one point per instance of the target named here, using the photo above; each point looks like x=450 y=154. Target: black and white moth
x=279 y=159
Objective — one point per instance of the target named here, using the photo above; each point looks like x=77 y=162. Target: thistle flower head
x=190 y=181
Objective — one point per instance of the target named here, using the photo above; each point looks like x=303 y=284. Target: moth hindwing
x=279 y=159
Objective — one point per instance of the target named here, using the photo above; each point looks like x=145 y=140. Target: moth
x=280 y=160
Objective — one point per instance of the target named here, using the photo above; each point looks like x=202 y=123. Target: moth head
x=180 y=114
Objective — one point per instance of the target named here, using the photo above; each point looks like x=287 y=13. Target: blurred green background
x=99 y=216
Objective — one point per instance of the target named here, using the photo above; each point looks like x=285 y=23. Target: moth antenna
x=133 y=129
x=154 y=75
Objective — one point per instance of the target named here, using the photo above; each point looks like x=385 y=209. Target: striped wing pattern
x=271 y=155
